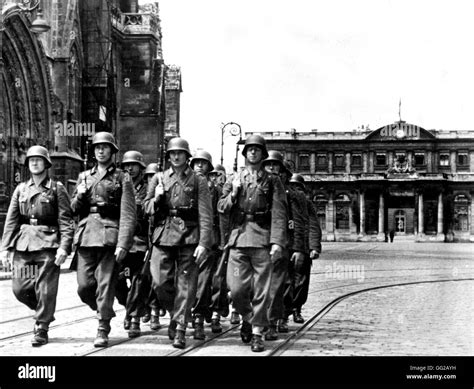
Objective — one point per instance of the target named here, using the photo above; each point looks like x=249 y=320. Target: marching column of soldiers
x=188 y=241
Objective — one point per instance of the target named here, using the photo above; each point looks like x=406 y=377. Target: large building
x=100 y=67
x=417 y=183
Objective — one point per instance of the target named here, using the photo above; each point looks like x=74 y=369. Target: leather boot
x=257 y=343
x=155 y=324
x=40 y=335
x=180 y=339
x=146 y=318
x=216 y=327
x=283 y=325
x=271 y=334
x=199 y=328
x=246 y=332
x=134 y=331
x=102 y=338
x=234 y=318
x=297 y=318
x=172 y=330
x=126 y=323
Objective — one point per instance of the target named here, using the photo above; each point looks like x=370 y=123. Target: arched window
x=461 y=213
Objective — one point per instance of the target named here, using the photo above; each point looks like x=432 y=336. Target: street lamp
x=234 y=131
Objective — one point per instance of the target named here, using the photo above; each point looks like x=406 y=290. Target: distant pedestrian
x=392 y=235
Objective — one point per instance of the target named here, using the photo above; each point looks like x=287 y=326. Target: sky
x=273 y=65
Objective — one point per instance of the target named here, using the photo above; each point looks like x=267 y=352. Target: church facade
x=402 y=179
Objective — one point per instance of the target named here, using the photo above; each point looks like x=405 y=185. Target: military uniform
x=182 y=219
x=38 y=222
x=107 y=214
x=257 y=219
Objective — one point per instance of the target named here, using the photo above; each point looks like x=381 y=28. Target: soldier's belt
x=255 y=216
x=36 y=222
x=189 y=214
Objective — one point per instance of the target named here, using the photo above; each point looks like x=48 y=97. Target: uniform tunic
x=39 y=221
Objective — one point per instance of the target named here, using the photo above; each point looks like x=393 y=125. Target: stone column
x=330 y=219
x=362 y=214
x=348 y=163
x=421 y=227
x=365 y=162
x=381 y=232
x=330 y=162
x=452 y=161
x=439 y=233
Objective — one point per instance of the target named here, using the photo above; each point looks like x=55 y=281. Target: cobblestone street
x=433 y=318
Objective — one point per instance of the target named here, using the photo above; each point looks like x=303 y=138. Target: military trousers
x=175 y=277
x=202 y=305
x=296 y=292
x=97 y=273
x=249 y=275
x=219 y=291
x=128 y=269
x=35 y=280
x=278 y=285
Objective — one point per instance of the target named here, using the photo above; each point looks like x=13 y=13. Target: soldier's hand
x=200 y=254
x=276 y=252
x=159 y=191
x=314 y=254
x=81 y=189
x=297 y=258
x=61 y=256
x=120 y=254
x=6 y=260
x=236 y=185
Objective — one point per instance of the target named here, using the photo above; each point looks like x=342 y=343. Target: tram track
x=287 y=343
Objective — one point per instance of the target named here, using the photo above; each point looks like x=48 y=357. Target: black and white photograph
x=230 y=180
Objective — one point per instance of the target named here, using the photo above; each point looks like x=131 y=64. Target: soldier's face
x=254 y=154
x=178 y=158
x=133 y=169
x=272 y=167
x=201 y=166
x=36 y=165
x=103 y=152
x=149 y=177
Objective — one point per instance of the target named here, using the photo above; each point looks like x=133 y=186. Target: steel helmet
x=201 y=154
x=218 y=169
x=152 y=168
x=38 y=151
x=176 y=144
x=297 y=179
x=105 y=137
x=256 y=140
x=274 y=155
x=133 y=156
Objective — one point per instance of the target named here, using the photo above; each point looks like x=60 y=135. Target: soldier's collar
x=46 y=182
x=186 y=172
x=260 y=173
x=110 y=169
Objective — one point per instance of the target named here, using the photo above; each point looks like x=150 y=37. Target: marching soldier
x=38 y=233
x=201 y=163
x=132 y=162
x=295 y=249
x=302 y=268
x=180 y=203
x=105 y=203
x=256 y=203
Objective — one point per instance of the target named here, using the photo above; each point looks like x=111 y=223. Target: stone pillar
x=439 y=233
x=365 y=162
x=330 y=236
x=362 y=214
x=348 y=163
x=312 y=163
x=421 y=227
x=330 y=162
x=452 y=161
x=381 y=232
x=471 y=220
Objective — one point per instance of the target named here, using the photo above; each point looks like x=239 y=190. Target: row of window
x=381 y=159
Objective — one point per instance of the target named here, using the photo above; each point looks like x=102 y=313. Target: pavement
x=430 y=319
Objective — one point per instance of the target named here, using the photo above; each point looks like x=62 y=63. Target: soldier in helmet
x=201 y=163
x=105 y=203
x=295 y=249
x=256 y=203
x=133 y=163
x=300 y=268
x=180 y=204
x=38 y=235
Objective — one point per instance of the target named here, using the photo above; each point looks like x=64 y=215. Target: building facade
x=100 y=67
x=419 y=184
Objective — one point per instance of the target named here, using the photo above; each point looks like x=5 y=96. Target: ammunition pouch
x=111 y=211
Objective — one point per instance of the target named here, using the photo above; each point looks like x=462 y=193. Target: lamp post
x=234 y=131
